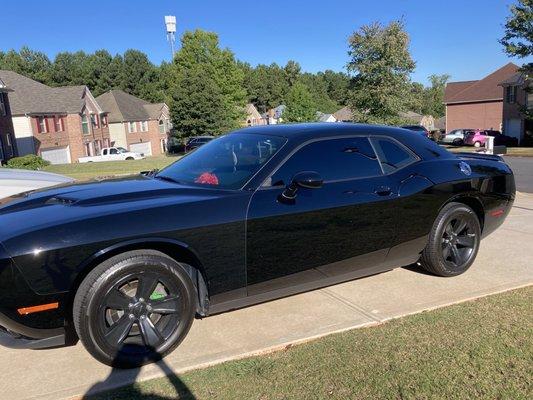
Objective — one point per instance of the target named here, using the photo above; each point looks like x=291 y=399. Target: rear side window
x=333 y=159
x=392 y=155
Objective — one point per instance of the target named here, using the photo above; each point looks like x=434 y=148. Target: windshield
x=122 y=150
x=227 y=162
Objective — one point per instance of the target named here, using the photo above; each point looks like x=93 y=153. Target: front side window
x=132 y=127
x=227 y=162
x=58 y=124
x=84 y=124
x=3 y=108
x=41 y=123
x=333 y=159
x=392 y=155
x=113 y=151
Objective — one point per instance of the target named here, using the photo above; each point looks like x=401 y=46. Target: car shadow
x=113 y=386
x=418 y=269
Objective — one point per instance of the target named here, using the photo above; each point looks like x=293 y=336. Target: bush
x=29 y=161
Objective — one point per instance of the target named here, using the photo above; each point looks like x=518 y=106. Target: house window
x=104 y=121
x=511 y=94
x=58 y=124
x=144 y=126
x=84 y=124
x=162 y=126
x=530 y=100
x=88 y=149
x=132 y=127
x=3 y=108
x=95 y=121
x=41 y=125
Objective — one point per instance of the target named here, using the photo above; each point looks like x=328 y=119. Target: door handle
x=383 y=191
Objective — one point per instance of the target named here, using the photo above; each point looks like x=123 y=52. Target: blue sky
x=458 y=37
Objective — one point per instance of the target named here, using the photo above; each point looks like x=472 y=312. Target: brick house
x=477 y=104
x=515 y=100
x=135 y=124
x=7 y=141
x=59 y=124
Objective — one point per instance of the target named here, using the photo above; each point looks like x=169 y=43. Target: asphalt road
x=523 y=172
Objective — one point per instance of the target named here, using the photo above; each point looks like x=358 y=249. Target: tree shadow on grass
x=113 y=386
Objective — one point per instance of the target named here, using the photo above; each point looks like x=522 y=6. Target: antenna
x=170 y=23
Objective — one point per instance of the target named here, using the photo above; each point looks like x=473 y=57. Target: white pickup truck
x=113 y=154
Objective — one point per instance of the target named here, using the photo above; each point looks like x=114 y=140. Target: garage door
x=58 y=155
x=145 y=148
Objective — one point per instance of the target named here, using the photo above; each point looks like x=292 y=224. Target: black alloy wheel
x=453 y=242
x=134 y=308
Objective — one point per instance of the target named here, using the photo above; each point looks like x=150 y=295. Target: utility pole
x=170 y=23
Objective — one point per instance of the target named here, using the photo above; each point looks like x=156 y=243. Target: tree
x=433 y=103
x=33 y=64
x=518 y=42
x=318 y=89
x=292 y=72
x=299 y=105
x=381 y=64
x=139 y=76
x=266 y=85
x=223 y=94
x=337 y=84
x=69 y=69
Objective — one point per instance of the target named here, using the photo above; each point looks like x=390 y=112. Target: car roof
x=298 y=133
x=29 y=175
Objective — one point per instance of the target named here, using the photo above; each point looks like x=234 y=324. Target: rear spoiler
x=479 y=156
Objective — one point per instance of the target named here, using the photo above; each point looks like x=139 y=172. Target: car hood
x=114 y=192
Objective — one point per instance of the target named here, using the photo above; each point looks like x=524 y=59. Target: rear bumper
x=17 y=336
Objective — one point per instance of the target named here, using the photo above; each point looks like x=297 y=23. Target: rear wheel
x=134 y=308
x=477 y=144
x=129 y=158
x=457 y=142
x=453 y=242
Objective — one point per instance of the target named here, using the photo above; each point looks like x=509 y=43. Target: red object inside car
x=207 y=178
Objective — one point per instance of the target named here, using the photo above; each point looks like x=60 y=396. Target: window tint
x=113 y=151
x=392 y=155
x=333 y=159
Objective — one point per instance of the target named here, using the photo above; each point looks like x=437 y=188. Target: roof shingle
x=122 y=106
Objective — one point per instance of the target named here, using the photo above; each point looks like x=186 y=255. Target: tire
x=115 y=308
x=129 y=158
x=477 y=144
x=439 y=257
x=457 y=142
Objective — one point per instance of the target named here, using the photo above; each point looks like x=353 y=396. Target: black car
x=261 y=213
x=502 y=140
x=197 y=141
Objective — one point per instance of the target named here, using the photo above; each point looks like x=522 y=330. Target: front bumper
x=18 y=336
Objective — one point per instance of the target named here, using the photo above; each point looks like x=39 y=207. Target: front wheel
x=477 y=144
x=453 y=242
x=134 y=308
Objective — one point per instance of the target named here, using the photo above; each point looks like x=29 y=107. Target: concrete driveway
x=505 y=261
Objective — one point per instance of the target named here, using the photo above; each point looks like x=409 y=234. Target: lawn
x=111 y=168
x=511 y=151
x=479 y=349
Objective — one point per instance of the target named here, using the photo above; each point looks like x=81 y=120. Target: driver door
x=346 y=224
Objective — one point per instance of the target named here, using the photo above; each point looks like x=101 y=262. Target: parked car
x=501 y=139
x=260 y=213
x=455 y=137
x=196 y=141
x=15 y=181
x=113 y=154
x=417 y=128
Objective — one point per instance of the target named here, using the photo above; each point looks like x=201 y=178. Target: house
x=321 y=117
x=427 y=121
x=136 y=124
x=7 y=137
x=274 y=115
x=344 y=115
x=59 y=124
x=253 y=117
x=515 y=101
x=477 y=104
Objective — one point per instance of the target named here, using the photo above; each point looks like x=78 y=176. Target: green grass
x=479 y=349
x=111 y=168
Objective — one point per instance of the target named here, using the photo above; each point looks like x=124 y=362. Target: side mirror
x=306 y=180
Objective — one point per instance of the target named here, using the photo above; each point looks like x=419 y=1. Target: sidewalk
x=504 y=262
